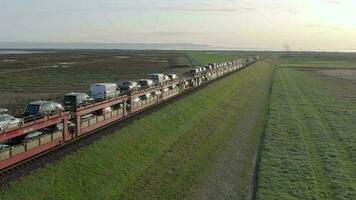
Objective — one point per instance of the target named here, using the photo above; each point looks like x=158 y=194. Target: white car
x=8 y=121
x=4 y=146
x=101 y=91
x=166 y=78
x=3 y=111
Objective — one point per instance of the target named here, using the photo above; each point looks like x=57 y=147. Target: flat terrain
x=201 y=146
x=50 y=74
x=308 y=150
x=204 y=146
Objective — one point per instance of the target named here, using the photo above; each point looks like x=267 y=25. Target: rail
x=127 y=105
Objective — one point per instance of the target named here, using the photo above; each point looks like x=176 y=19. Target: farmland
x=205 y=145
x=188 y=149
x=308 y=150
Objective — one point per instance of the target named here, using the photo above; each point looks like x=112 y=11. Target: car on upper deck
x=39 y=108
x=146 y=83
x=128 y=86
x=74 y=99
x=8 y=122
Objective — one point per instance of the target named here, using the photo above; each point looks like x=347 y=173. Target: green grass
x=309 y=149
x=166 y=154
x=209 y=57
x=319 y=60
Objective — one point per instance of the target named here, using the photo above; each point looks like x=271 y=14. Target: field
x=52 y=73
x=205 y=145
x=308 y=150
x=202 y=146
x=49 y=75
x=220 y=56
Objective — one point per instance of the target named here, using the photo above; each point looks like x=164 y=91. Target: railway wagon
x=75 y=125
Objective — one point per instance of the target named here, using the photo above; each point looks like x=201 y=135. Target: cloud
x=293 y=11
x=210 y=8
x=317 y=26
x=174 y=33
x=335 y=2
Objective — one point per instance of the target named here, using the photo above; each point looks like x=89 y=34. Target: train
x=33 y=135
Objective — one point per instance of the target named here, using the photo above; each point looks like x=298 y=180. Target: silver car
x=37 y=108
x=8 y=121
x=33 y=134
x=4 y=146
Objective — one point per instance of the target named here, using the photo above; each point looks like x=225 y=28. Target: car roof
x=39 y=102
x=75 y=94
x=5 y=115
x=155 y=74
x=34 y=133
x=103 y=84
x=3 y=110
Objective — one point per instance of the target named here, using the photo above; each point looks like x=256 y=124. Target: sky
x=240 y=24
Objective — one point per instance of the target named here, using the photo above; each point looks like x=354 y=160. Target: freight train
x=30 y=135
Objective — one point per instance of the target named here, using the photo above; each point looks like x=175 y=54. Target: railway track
x=57 y=153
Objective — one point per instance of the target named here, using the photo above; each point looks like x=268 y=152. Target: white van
x=104 y=90
x=156 y=78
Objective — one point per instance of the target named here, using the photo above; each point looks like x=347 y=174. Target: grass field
x=309 y=149
x=204 y=146
x=198 y=147
x=319 y=60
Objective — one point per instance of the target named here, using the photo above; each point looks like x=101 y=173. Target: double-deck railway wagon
x=68 y=125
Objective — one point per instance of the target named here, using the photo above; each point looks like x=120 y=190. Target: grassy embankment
x=166 y=154
x=309 y=145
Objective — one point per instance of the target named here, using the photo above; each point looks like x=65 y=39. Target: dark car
x=128 y=86
x=39 y=108
x=146 y=83
x=75 y=99
x=172 y=76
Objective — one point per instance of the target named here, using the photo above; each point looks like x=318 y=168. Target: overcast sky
x=303 y=24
